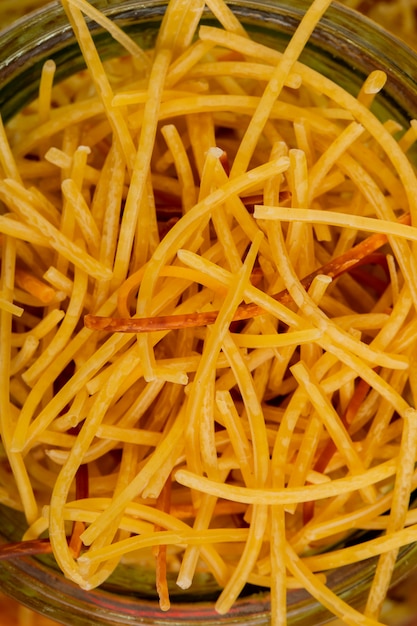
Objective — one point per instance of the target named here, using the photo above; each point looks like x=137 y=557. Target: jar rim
x=342 y=31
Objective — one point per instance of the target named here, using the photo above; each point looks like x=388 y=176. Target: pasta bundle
x=207 y=315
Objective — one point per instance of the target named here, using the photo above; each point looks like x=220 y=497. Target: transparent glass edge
x=365 y=44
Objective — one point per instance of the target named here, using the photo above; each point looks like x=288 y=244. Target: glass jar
x=346 y=47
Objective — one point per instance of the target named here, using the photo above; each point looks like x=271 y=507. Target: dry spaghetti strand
x=334 y=268
x=163 y=503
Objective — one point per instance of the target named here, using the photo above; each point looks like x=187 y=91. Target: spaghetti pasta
x=207 y=315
